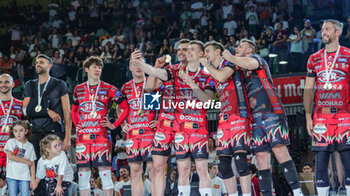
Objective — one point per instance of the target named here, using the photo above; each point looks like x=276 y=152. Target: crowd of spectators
x=69 y=32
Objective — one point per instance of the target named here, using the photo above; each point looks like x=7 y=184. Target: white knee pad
x=106 y=178
x=84 y=180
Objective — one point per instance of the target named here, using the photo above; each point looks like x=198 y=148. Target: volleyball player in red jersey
x=270 y=128
x=233 y=134
x=164 y=133
x=329 y=69
x=191 y=83
x=10 y=111
x=91 y=101
x=140 y=130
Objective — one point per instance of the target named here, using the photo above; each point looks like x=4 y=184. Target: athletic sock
x=205 y=192
x=247 y=194
x=322 y=191
x=184 y=190
x=234 y=194
x=297 y=192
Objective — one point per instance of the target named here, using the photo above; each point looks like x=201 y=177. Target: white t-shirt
x=147 y=187
x=226 y=10
x=51 y=169
x=17 y=170
x=296 y=46
x=197 y=14
x=119 y=185
x=218 y=186
x=252 y=18
x=121 y=155
x=231 y=27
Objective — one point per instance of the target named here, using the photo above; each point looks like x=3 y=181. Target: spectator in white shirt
x=230 y=25
x=226 y=9
x=118 y=187
x=197 y=9
x=120 y=149
x=218 y=185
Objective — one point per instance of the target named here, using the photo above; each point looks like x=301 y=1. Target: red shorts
x=139 y=145
x=164 y=137
x=233 y=134
x=93 y=151
x=191 y=143
x=331 y=132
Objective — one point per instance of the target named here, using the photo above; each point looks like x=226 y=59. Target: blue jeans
x=14 y=185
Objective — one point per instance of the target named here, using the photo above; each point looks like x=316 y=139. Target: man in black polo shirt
x=46 y=105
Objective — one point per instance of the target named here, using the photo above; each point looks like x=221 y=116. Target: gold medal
x=181 y=71
x=167 y=58
x=5 y=129
x=328 y=86
x=140 y=112
x=93 y=114
x=38 y=108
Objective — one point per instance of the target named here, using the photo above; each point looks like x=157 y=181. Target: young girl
x=20 y=168
x=54 y=165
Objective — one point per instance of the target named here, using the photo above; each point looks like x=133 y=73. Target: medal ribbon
x=143 y=88
x=39 y=95
x=195 y=74
x=329 y=72
x=94 y=99
x=8 y=112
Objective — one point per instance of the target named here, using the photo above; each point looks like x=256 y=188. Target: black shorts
x=269 y=130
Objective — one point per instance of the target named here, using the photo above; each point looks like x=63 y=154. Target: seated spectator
x=146 y=184
x=119 y=186
x=230 y=25
x=120 y=149
x=6 y=64
x=193 y=175
x=165 y=48
x=255 y=182
x=217 y=184
x=3 y=185
x=171 y=183
x=213 y=157
x=307 y=168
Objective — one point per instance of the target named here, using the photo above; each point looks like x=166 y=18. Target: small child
x=20 y=168
x=54 y=165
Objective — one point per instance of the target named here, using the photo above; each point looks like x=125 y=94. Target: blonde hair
x=46 y=143
x=23 y=123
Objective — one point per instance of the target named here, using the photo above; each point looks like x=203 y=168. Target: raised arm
x=220 y=75
x=154 y=83
x=244 y=62
x=137 y=59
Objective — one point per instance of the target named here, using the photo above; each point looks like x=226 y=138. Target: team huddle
x=252 y=118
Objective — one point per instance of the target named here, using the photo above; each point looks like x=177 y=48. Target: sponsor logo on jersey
x=80 y=148
x=86 y=106
x=179 y=138
x=159 y=136
x=320 y=128
x=335 y=76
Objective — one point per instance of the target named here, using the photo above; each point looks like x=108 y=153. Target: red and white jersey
x=84 y=99
x=185 y=96
x=135 y=120
x=16 y=113
x=337 y=99
x=232 y=94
